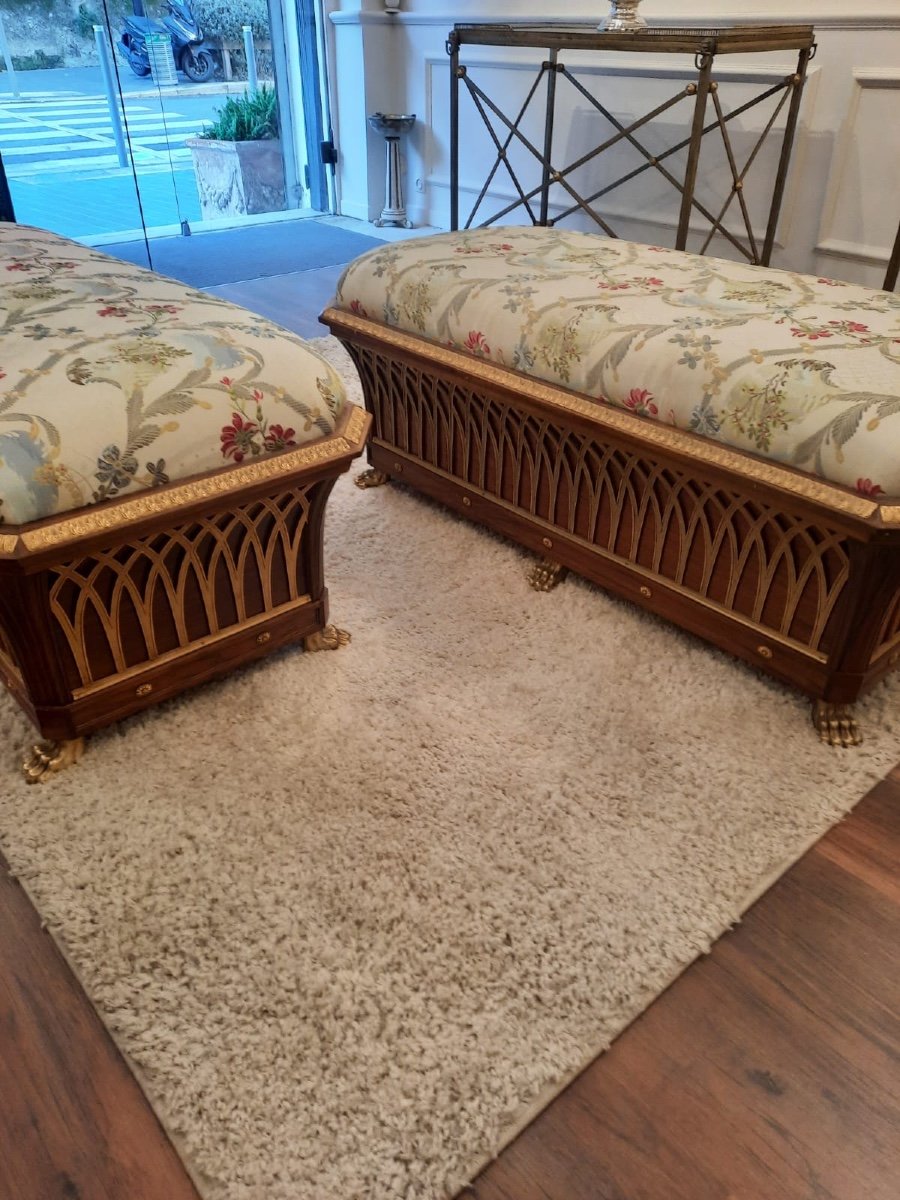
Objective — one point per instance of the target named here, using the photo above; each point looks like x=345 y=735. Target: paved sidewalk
x=97 y=204
x=59 y=152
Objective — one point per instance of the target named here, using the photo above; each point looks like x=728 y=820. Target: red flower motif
x=226 y=381
x=237 y=438
x=357 y=307
x=504 y=246
x=850 y=326
x=640 y=401
x=168 y=308
x=112 y=310
x=475 y=343
x=257 y=396
x=866 y=487
x=17 y=266
x=279 y=438
x=614 y=287
x=812 y=336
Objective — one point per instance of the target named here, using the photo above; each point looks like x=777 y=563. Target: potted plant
x=238 y=161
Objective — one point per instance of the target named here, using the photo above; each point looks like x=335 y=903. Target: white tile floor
x=296 y=300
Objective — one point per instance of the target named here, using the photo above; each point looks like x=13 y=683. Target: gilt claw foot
x=371 y=478
x=836 y=724
x=545 y=575
x=329 y=638
x=49 y=758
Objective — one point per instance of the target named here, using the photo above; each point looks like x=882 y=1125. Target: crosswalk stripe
x=56 y=147
x=151 y=101
x=150 y=139
x=132 y=119
x=31 y=136
x=145 y=161
x=77 y=135
x=69 y=105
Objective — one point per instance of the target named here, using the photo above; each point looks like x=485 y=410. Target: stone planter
x=238 y=177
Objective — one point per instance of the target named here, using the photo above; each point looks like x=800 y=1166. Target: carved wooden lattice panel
x=161 y=593
x=889 y=635
x=9 y=666
x=780 y=571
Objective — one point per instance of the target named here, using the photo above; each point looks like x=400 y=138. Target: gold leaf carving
x=152 y=503
x=646 y=432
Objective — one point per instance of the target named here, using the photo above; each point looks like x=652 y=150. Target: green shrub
x=224 y=18
x=38 y=61
x=85 y=21
x=246 y=118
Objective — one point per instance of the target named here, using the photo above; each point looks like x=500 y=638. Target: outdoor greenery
x=38 y=61
x=246 y=118
x=224 y=18
x=85 y=20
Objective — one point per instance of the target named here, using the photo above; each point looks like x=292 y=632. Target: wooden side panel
x=136 y=602
x=738 y=561
x=128 y=623
x=74 y=1124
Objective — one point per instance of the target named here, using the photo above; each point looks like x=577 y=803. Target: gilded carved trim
x=649 y=433
x=347 y=440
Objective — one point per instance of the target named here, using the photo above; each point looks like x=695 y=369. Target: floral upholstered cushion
x=113 y=379
x=801 y=370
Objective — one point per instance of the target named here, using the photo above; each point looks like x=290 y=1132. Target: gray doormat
x=233 y=255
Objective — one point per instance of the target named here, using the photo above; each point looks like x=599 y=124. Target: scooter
x=192 y=55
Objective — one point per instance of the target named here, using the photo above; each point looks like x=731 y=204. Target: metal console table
x=705 y=45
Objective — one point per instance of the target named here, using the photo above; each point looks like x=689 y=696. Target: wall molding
x=613 y=213
x=654 y=69
x=854 y=251
x=864 y=78
x=664 y=67
x=864 y=20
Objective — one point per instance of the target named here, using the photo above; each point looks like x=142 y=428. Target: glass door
x=65 y=166
x=116 y=149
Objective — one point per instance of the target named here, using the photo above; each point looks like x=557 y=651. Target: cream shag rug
x=355 y=915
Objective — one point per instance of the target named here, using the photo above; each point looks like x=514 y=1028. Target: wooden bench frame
x=798 y=576
x=115 y=607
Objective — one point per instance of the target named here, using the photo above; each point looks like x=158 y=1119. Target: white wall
x=842 y=204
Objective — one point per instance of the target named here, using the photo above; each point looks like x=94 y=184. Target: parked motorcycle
x=192 y=55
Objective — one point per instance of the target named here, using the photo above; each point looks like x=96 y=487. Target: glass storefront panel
x=106 y=148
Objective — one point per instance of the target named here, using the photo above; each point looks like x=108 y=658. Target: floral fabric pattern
x=114 y=379
x=801 y=370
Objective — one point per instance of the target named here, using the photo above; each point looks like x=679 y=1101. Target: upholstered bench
x=165 y=460
x=718 y=442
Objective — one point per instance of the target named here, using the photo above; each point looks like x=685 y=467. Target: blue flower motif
x=115 y=470
x=704 y=420
x=157 y=472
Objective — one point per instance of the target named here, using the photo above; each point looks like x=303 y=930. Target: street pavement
x=60 y=157
x=89 y=81
x=65 y=133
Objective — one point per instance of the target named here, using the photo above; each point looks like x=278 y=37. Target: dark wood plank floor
x=769 y=1071
x=74 y=1124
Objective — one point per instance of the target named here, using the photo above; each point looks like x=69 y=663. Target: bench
x=718 y=442
x=165 y=461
